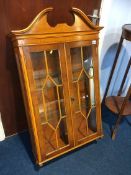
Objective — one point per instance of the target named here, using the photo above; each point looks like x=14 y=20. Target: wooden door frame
x=96 y=78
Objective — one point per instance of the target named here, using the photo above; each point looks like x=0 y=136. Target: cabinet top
x=40 y=26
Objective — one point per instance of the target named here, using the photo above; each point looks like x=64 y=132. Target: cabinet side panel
x=31 y=123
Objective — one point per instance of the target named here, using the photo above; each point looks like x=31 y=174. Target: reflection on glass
x=92 y=93
x=87 y=60
x=88 y=67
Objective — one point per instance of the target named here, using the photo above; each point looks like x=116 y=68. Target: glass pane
x=92 y=121
x=83 y=89
x=76 y=96
x=84 y=93
x=51 y=103
x=63 y=134
x=92 y=92
x=87 y=60
x=39 y=74
x=80 y=126
x=39 y=69
x=54 y=65
x=88 y=68
x=49 y=139
x=62 y=105
x=40 y=106
x=55 y=139
x=76 y=62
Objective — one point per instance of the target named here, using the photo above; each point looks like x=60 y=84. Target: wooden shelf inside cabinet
x=114 y=103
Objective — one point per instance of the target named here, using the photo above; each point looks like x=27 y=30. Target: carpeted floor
x=104 y=157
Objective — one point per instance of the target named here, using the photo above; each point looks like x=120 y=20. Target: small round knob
x=72 y=99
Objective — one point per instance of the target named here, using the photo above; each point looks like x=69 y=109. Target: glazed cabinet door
x=84 y=90
x=47 y=79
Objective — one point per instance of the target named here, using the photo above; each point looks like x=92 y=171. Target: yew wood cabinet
x=58 y=70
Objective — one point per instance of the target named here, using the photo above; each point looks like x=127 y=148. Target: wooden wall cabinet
x=58 y=69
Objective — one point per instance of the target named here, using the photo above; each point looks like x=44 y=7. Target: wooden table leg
x=116 y=127
x=113 y=67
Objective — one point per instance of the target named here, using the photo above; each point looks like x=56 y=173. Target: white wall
x=2 y=134
x=114 y=14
